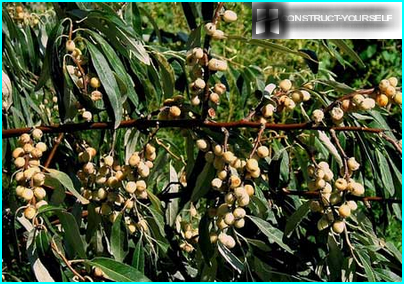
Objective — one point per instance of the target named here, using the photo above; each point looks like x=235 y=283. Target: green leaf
x=349 y=51
x=365 y=262
x=273 y=234
x=138 y=257
x=46 y=66
x=118 y=271
x=202 y=185
x=108 y=81
x=67 y=183
x=385 y=173
x=296 y=218
x=72 y=233
x=230 y=258
x=119 y=239
x=204 y=239
x=167 y=75
x=172 y=205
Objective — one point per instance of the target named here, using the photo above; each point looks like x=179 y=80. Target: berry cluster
x=114 y=187
x=388 y=92
x=28 y=176
x=189 y=230
x=283 y=98
x=234 y=182
x=332 y=203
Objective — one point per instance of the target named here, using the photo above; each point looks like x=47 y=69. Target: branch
x=55 y=147
x=316 y=194
x=182 y=123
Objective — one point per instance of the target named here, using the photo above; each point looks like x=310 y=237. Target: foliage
x=151 y=203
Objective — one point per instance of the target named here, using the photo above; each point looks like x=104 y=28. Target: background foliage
x=138 y=51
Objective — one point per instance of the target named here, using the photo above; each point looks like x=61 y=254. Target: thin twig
x=54 y=149
x=66 y=261
x=258 y=140
x=183 y=123
x=342 y=152
x=392 y=141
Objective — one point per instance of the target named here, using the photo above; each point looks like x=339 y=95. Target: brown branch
x=66 y=261
x=393 y=142
x=216 y=15
x=182 y=123
x=316 y=194
x=53 y=152
x=343 y=154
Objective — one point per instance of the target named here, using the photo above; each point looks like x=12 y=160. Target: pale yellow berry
x=222 y=174
x=19 y=162
x=306 y=95
x=268 y=110
x=214 y=98
x=285 y=85
x=113 y=182
x=213 y=237
x=218 y=34
x=197 y=52
x=229 y=157
x=390 y=91
x=41 y=146
x=219 y=88
x=239 y=223
x=358 y=99
x=36 y=153
x=317 y=116
x=263 y=151
x=130 y=187
x=39 y=193
x=216 y=183
x=24 y=139
x=141 y=185
x=234 y=181
x=175 y=111
x=195 y=101
x=210 y=28
x=70 y=46
x=337 y=113
x=352 y=205
x=18 y=152
x=252 y=165
x=29 y=212
x=398 y=98
x=358 y=189
x=240 y=191
x=87 y=116
x=229 y=218
x=353 y=165
x=96 y=95
x=344 y=211
x=341 y=184
x=239 y=213
x=368 y=104
x=199 y=83
x=382 y=100
x=338 y=227
x=243 y=200
x=95 y=82
x=37 y=134
x=109 y=161
x=102 y=194
x=320 y=183
x=393 y=81
x=134 y=160
x=297 y=96
x=27 y=194
x=202 y=145
x=249 y=189
x=132 y=228
x=143 y=170
x=229 y=16
x=41 y=203
x=384 y=84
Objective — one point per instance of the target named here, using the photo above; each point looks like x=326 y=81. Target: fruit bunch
x=388 y=92
x=234 y=182
x=333 y=203
x=28 y=174
x=116 y=188
x=282 y=98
